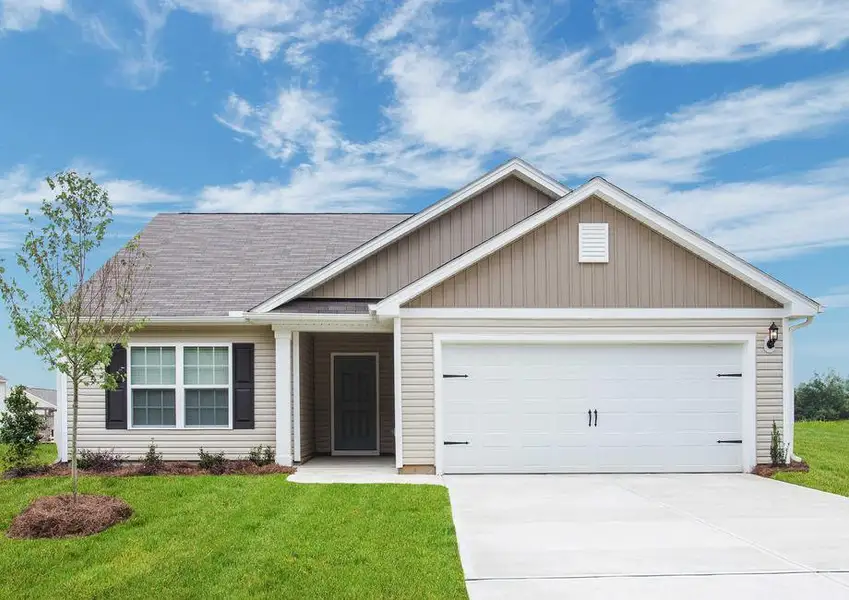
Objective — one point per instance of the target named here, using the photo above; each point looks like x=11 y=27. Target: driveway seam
x=662 y=575
x=690 y=515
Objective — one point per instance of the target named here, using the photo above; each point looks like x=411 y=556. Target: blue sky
x=732 y=117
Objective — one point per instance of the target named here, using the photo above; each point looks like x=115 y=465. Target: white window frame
x=179 y=387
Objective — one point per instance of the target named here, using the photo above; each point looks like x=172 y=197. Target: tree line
x=823 y=398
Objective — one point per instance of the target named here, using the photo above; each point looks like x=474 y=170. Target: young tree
x=823 y=398
x=19 y=428
x=77 y=314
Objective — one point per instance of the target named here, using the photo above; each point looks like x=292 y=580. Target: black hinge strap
x=450 y=376
x=729 y=441
x=456 y=443
x=729 y=374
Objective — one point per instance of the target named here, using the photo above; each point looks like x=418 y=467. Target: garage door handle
x=595 y=412
x=590 y=415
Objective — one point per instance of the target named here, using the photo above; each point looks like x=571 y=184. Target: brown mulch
x=231 y=467
x=61 y=516
x=770 y=471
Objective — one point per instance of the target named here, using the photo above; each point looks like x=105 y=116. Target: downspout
x=791 y=412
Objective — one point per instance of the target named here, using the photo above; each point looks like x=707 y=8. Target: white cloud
x=837 y=297
x=264 y=44
x=691 y=31
x=392 y=25
x=233 y=15
x=20 y=15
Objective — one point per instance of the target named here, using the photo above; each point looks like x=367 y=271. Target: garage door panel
x=523 y=408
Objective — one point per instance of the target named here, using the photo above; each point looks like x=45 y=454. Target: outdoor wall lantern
x=773 y=336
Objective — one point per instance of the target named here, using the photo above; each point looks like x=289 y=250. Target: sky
x=730 y=116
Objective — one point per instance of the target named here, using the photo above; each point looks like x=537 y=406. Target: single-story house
x=45 y=405
x=514 y=326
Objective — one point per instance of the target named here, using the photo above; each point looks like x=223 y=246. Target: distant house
x=45 y=405
x=3 y=385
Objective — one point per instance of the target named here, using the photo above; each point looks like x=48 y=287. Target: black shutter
x=243 y=386
x=116 y=400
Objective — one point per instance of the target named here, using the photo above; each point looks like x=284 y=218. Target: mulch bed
x=770 y=471
x=61 y=516
x=231 y=467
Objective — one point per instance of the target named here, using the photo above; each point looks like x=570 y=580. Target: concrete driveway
x=649 y=536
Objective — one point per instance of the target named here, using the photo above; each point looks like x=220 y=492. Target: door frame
x=746 y=341
x=333 y=450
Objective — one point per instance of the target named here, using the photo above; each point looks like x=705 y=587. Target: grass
x=825 y=447
x=44 y=455
x=240 y=537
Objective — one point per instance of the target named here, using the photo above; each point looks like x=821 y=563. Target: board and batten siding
x=183 y=444
x=541 y=270
x=329 y=343
x=436 y=242
x=417 y=385
x=307 y=394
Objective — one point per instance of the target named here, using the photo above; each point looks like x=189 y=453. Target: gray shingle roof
x=210 y=264
x=327 y=306
x=46 y=396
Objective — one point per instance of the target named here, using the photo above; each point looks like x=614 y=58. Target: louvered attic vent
x=593 y=246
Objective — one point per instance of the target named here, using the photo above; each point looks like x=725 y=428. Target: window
x=206 y=376
x=180 y=386
x=153 y=382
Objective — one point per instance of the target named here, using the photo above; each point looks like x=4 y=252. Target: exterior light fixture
x=773 y=336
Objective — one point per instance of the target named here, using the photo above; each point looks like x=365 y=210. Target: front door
x=355 y=404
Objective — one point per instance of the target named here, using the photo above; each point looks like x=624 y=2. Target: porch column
x=283 y=404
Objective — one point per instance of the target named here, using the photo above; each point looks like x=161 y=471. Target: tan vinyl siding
x=417 y=367
x=437 y=242
x=541 y=270
x=307 y=381
x=328 y=343
x=183 y=444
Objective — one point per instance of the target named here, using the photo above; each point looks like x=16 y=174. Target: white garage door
x=591 y=408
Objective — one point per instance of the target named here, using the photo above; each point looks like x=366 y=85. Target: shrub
x=152 y=461
x=261 y=455
x=777 y=449
x=99 y=460
x=214 y=462
x=823 y=398
x=20 y=426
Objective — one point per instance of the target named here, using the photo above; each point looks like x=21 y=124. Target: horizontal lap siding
x=437 y=242
x=541 y=270
x=328 y=343
x=417 y=368
x=183 y=444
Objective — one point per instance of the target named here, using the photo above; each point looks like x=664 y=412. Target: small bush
x=20 y=427
x=152 y=462
x=214 y=462
x=777 y=449
x=99 y=461
x=261 y=455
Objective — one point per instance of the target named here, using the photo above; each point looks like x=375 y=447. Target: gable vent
x=593 y=243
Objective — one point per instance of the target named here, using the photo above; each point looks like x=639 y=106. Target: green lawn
x=240 y=537
x=825 y=447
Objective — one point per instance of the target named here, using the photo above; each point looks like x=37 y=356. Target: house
x=516 y=325
x=4 y=385
x=45 y=405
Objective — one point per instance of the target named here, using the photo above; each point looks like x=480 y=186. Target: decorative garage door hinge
x=456 y=443
x=729 y=441
x=729 y=374
x=450 y=376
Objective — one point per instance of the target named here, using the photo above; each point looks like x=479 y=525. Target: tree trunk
x=74 y=435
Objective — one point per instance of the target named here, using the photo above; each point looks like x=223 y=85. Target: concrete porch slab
x=357 y=469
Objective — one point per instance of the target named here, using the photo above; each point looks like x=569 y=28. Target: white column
x=283 y=405
x=399 y=433
x=60 y=424
x=296 y=393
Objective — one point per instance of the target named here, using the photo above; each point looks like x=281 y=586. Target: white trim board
x=333 y=450
x=797 y=304
x=514 y=167
x=747 y=342
x=296 y=396
x=579 y=314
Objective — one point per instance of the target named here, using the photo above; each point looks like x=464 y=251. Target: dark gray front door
x=355 y=403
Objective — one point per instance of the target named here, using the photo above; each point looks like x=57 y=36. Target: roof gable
x=795 y=303
x=542 y=270
x=514 y=168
